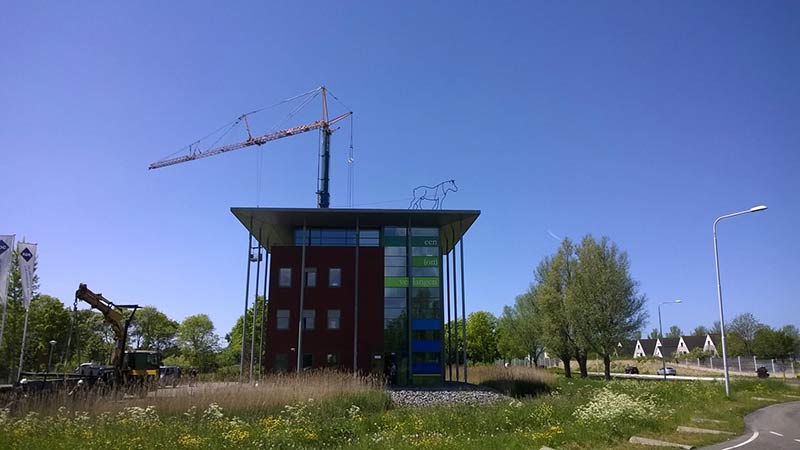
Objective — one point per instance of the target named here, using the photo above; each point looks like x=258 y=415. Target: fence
x=742 y=365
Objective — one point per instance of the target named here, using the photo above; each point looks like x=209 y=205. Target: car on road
x=632 y=370
x=666 y=371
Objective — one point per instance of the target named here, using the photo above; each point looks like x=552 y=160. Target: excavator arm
x=112 y=317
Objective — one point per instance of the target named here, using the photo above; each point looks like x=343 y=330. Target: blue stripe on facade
x=426 y=368
x=426 y=346
x=426 y=324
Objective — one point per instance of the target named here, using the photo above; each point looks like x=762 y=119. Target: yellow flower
x=188 y=440
x=235 y=435
x=271 y=423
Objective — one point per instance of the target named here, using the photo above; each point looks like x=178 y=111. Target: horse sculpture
x=436 y=194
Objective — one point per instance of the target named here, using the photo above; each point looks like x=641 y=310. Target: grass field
x=338 y=411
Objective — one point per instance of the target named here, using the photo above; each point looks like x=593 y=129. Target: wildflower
x=213 y=412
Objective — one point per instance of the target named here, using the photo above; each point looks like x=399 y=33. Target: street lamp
x=50 y=358
x=719 y=293
x=661 y=336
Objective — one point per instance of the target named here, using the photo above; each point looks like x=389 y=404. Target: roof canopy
x=277 y=225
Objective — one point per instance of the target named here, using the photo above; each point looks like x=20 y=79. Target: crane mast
x=324 y=125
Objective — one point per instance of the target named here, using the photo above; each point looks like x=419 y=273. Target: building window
x=334 y=319
x=283 y=319
x=335 y=277
x=331 y=360
x=308 y=319
x=308 y=360
x=281 y=362
x=311 y=277
x=285 y=279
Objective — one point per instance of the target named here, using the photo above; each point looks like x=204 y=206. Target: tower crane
x=324 y=125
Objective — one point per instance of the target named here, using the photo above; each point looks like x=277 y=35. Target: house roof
x=669 y=346
x=277 y=225
x=648 y=345
x=626 y=348
x=693 y=342
x=715 y=338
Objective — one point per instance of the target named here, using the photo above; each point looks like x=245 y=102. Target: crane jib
x=254 y=141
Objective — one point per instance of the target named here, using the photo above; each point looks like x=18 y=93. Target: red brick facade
x=322 y=341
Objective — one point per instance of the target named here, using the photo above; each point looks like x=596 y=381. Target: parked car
x=169 y=376
x=632 y=370
x=668 y=371
x=762 y=372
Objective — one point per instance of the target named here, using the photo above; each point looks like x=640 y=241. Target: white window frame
x=330 y=277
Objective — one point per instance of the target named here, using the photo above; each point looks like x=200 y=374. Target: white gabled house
x=644 y=348
x=666 y=347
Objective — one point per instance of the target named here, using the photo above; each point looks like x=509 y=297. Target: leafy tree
x=700 y=331
x=715 y=328
x=653 y=334
x=605 y=306
x=234 y=337
x=734 y=345
x=792 y=332
x=745 y=326
x=49 y=320
x=518 y=334
x=777 y=344
x=197 y=341
x=674 y=332
x=482 y=337
x=152 y=329
x=552 y=277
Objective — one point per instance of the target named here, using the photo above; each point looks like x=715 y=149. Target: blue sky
x=640 y=121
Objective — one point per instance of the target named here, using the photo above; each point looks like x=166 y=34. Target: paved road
x=657 y=377
x=775 y=427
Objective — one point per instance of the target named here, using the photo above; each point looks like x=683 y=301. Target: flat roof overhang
x=277 y=225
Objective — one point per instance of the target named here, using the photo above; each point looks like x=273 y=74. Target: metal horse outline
x=436 y=194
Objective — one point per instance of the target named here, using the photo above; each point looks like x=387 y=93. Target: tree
x=518 y=334
x=792 y=332
x=234 y=337
x=604 y=304
x=197 y=340
x=482 y=337
x=552 y=277
x=153 y=329
x=745 y=326
x=49 y=320
x=674 y=332
x=654 y=334
x=777 y=344
x=700 y=331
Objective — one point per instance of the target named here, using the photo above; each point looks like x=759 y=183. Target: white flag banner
x=27 y=264
x=6 y=249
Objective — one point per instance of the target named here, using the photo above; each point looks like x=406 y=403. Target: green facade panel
x=425 y=261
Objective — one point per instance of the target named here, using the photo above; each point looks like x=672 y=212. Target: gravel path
x=448 y=394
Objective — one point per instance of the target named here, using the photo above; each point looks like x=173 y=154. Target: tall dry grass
x=271 y=392
x=516 y=381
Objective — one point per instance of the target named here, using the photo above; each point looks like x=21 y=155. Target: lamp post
x=50 y=358
x=719 y=293
x=661 y=336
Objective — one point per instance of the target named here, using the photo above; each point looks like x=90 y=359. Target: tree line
x=583 y=301
x=81 y=335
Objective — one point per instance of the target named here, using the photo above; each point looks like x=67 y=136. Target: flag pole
x=22 y=349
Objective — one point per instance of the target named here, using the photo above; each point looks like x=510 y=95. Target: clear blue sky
x=640 y=121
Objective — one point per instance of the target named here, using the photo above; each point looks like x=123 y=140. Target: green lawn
x=577 y=414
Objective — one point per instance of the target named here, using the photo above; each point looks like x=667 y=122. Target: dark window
x=394 y=271
x=283 y=319
x=335 y=277
x=308 y=360
x=334 y=319
x=394 y=231
x=425 y=232
x=331 y=360
x=285 y=279
x=369 y=238
x=281 y=362
x=308 y=319
x=424 y=271
x=394 y=261
x=311 y=277
x=425 y=251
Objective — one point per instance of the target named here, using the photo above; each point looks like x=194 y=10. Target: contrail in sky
x=553 y=235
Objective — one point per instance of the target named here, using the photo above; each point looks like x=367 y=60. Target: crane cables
x=195 y=146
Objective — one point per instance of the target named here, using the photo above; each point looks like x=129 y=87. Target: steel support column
x=449 y=330
x=263 y=311
x=455 y=312
x=463 y=308
x=246 y=299
x=255 y=307
x=302 y=299
x=355 y=301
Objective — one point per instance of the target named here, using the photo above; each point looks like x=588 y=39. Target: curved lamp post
x=719 y=292
x=661 y=335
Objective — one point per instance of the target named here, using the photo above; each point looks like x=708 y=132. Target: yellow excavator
x=133 y=370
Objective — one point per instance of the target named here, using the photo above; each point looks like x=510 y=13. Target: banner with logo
x=6 y=247
x=27 y=265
